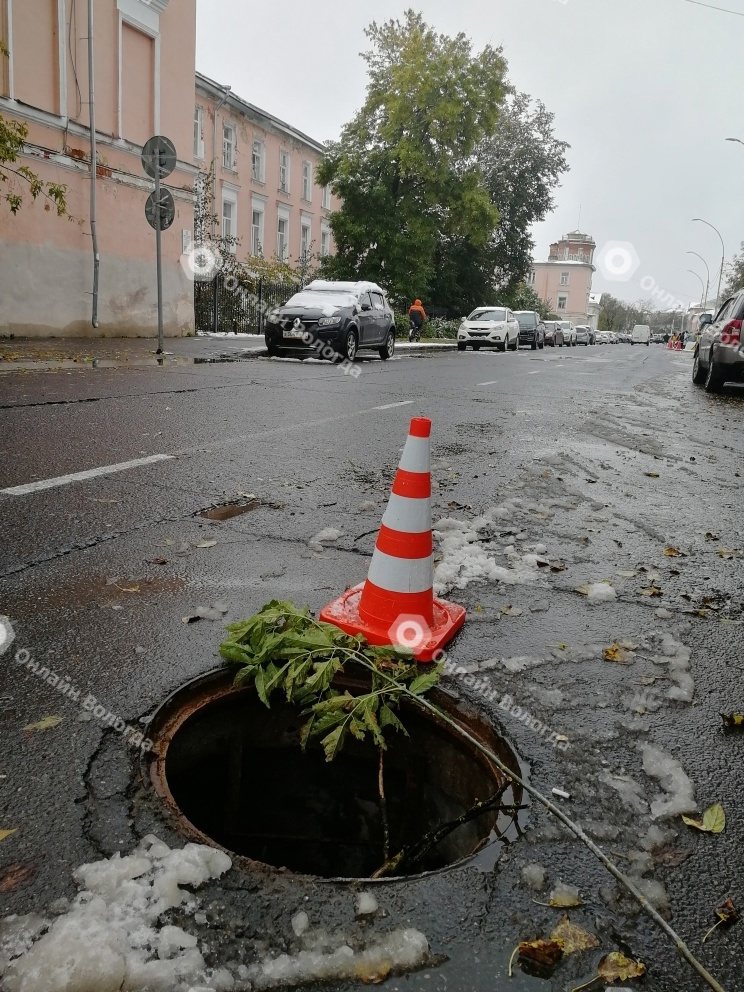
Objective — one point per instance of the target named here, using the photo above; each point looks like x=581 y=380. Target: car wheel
x=698 y=372
x=349 y=347
x=514 y=346
x=461 y=346
x=714 y=379
x=388 y=349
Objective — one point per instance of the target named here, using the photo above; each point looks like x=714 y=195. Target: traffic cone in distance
x=396 y=605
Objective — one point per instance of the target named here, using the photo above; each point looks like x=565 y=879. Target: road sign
x=159 y=155
x=161 y=212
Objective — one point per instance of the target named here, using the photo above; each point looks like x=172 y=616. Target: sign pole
x=159 y=258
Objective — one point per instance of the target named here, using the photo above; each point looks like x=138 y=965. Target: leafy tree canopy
x=734 y=274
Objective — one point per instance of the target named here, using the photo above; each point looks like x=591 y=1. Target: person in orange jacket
x=417 y=316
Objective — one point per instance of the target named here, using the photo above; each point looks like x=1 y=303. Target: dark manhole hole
x=226 y=511
x=232 y=772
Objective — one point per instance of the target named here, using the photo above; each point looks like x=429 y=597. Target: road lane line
x=92 y=473
x=492 y=382
x=391 y=406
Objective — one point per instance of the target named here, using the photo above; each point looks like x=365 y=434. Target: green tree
x=734 y=274
x=405 y=167
x=523 y=297
x=19 y=178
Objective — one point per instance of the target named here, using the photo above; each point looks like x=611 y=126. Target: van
x=641 y=334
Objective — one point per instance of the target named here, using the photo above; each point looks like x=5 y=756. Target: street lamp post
x=698 y=276
x=723 y=255
x=707 y=271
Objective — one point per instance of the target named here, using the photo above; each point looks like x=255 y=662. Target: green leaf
x=423 y=683
x=261 y=687
x=389 y=719
x=332 y=742
x=234 y=654
x=713 y=822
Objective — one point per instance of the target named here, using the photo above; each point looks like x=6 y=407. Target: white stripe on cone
x=410 y=515
x=416 y=455
x=401 y=574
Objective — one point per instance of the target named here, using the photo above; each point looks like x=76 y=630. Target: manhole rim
x=169 y=717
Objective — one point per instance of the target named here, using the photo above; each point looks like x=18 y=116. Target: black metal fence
x=223 y=304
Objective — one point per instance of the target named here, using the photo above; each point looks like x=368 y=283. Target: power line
x=710 y=6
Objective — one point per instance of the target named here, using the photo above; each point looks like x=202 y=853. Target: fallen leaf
x=15 y=876
x=512 y=611
x=540 y=957
x=733 y=720
x=652 y=475
x=727 y=914
x=126 y=588
x=46 y=723
x=372 y=973
x=673 y=553
x=558 y=566
x=205 y=544
x=713 y=821
x=615 y=653
x=651 y=591
x=615 y=967
x=156 y=561
x=572 y=938
x=7 y=833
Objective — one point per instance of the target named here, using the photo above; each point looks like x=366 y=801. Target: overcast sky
x=645 y=91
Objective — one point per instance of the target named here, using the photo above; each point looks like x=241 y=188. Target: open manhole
x=231 y=771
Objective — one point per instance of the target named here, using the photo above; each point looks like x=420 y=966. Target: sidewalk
x=53 y=354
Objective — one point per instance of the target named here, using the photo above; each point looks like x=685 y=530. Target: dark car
x=531 y=328
x=333 y=320
x=553 y=334
x=719 y=357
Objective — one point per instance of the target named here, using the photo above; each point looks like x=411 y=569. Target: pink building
x=144 y=52
x=265 y=187
x=565 y=280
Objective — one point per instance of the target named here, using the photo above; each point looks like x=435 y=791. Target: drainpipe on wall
x=218 y=106
x=93 y=162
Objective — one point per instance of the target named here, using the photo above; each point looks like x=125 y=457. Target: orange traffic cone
x=396 y=604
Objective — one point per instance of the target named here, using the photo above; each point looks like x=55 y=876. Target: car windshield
x=313 y=300
x=488 y=315
x=525 y=319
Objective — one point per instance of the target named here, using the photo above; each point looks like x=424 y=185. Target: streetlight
x=707 y=284
x=723 y=252
x=736 y=139
x=702 y=284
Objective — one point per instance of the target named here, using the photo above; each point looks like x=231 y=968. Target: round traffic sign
x=159 y=154
x=160 y=214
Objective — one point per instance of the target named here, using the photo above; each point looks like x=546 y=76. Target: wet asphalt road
x=614 y=454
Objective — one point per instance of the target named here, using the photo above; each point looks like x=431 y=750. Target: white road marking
x=533 y=373
x=492 y=382
x=91 y=473
x=391 y=406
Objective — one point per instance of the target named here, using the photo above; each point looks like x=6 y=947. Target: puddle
x=231 y=771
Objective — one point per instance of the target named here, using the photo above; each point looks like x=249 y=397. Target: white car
x=583 y=335
x=489 y=327
x=641 y=334
x=569 y=332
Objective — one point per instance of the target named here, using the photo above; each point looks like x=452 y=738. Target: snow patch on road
x=678 y=794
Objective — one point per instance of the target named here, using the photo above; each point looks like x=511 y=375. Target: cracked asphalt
x=606 y=456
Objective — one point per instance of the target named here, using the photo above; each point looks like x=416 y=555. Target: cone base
x=344 y=613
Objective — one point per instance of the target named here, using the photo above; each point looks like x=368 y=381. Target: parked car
x=583 y=335
x=718 y=354
x=345 y=317
x=569 y=333
x=553 y=334
x=489 y=327
x=531 y=328
x=641 y=334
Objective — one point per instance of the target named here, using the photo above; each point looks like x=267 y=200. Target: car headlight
x=328 y=321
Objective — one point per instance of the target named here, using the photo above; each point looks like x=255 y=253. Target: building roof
x=217 y=90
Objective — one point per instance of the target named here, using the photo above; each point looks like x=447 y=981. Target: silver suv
x=719 y=357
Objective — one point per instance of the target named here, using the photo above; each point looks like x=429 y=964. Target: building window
x=307 y=181
x=229 y=150
x=531 y=279
x=198 y=132
x=305 y=239
x=258 y=161
x=562 y=302
x=257 y=228
x=564 y=278
x=229 y=216
x=284 y=172
x=282 y=237
x=326 y=197
x=325 y=241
